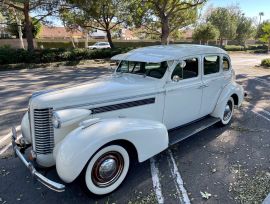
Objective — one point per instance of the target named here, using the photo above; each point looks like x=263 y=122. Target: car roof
x=160 y=53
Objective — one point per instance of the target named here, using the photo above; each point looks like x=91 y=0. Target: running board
x=183 y=132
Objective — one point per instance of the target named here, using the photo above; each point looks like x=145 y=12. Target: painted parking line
x=4 y=138
x=156 y=181
x=5 y=148
x=183 y=196
x=261 y=112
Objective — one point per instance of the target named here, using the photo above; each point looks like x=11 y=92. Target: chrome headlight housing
x=56 y=122
x=63 y=118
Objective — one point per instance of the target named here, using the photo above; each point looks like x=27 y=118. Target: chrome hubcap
x=228 y=111
x=107 y=169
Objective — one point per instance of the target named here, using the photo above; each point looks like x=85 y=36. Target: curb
x=267 y=200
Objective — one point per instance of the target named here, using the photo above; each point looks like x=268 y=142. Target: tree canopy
x=163 y=17
x=205 y=32
x=225 y=20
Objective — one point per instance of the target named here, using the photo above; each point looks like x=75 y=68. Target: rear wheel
x=228 y=112
x=107 y=169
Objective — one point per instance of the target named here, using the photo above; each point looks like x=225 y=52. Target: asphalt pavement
x=207 y=162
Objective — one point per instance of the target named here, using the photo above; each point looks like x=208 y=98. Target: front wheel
x=107 y=169
x=228 y=112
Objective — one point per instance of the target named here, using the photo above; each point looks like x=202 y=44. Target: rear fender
x=227 y=92
x=74 y=151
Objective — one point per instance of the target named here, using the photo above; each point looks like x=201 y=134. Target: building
x=59 y=33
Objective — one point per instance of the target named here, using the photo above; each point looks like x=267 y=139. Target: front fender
x=227 y=92
x=74 y=151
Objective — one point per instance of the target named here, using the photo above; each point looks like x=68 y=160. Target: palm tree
x=261 y=14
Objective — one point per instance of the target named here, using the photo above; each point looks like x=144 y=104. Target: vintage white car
x=100 y=45
x=96 y=129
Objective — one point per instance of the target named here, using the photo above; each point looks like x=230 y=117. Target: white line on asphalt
x=180 y=184
x=18 y=128
x=7 y=147
x=156 y=182
x=260 y=115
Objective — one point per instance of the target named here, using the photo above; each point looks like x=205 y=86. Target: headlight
x=63 y=118
x=56 y=121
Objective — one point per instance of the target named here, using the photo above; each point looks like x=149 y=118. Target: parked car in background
x=100 y=45
x=98 y=128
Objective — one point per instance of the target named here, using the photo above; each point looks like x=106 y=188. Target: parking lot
x=212 y=161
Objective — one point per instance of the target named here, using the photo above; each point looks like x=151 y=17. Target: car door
x=213 y=81
x=226 y=69
x=183 y=94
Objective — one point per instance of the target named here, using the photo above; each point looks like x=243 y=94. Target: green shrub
x=15 y=56
x=234 y=48
x=265 y=62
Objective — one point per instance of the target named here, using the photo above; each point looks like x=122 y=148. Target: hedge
x=265 y=62
x=15 y=56
x=68 y=44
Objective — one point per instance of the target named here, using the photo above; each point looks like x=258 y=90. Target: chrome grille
x=44 y=134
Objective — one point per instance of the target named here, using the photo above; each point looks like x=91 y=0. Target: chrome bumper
x=42 y=179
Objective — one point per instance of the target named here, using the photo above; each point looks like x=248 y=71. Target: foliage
x=36 y=28
x=103 y=15
x=265 y=37
x=205 y=32
x=13 y=56
x=163 y=17
x=244 y=30
x=42 y=9
x=225 y=20
x=260 y=31
x=266 y=62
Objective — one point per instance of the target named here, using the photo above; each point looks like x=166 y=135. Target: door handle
x=202 y=86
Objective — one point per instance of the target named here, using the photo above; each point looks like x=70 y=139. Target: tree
x=260 y=31
x=266 y=34
x=205 y=32
x=103 y=15
x=225 y=20
x=163 y=17
x=244 y=30
x=36 y=28
x=44 y=8
x=261 y=14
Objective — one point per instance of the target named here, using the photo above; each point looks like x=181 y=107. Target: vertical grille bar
x=44 y=133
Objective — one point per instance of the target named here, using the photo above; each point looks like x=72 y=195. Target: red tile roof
x=58 y=32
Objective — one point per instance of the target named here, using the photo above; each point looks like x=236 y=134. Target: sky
x=251 y=8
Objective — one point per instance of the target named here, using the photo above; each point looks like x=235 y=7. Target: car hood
x=96 y=92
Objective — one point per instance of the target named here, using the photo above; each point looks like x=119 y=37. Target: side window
x=191 y=70
x=211 y=64
x=226 y=64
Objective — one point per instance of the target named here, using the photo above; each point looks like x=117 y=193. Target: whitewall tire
x=107 y=169
x=227 y=112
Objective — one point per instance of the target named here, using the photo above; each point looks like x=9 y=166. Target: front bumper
x=42 y=179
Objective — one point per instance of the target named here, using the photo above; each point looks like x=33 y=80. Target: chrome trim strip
x=109 y=101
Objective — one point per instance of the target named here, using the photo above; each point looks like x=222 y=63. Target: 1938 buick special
x=97 y=128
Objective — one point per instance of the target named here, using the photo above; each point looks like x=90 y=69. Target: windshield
x=155 y=70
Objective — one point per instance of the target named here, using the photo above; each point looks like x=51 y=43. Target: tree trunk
x=109 y=37
x=86 y=39
x=19 y=25
x=165 y=30
x=221 y=42
x=72 y=41
x=268 y=45
x=28 y=27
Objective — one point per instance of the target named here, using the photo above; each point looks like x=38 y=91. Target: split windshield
x=155 y=70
